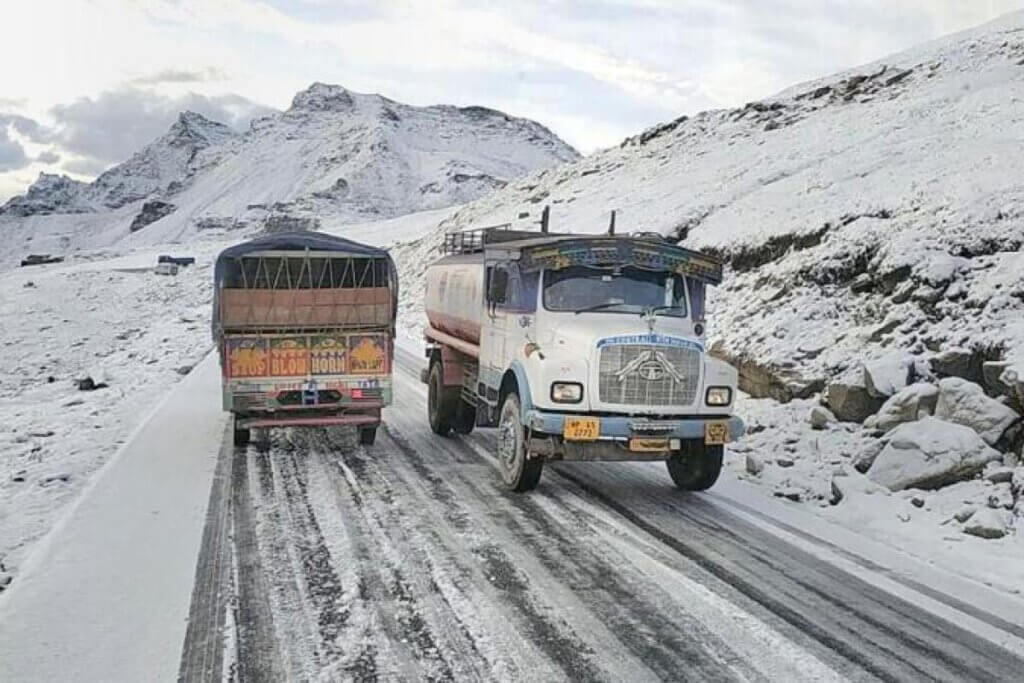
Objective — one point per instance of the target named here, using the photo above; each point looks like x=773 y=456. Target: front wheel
x=696 y=467
x=519 y=472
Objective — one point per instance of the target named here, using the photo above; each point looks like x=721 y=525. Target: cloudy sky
x=84 y=83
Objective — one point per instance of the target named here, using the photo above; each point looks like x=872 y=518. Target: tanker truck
x=578 y=347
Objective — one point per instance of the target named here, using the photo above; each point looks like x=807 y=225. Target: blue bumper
x=625 y=427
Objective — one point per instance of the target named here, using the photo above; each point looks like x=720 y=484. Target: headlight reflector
x=718 y=396
x=566 y=392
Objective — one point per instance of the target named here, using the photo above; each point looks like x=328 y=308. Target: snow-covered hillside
x=877 y=210
x=333 y=156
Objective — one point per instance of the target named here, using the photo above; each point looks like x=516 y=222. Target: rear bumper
x=299 y=421
x=623 y=428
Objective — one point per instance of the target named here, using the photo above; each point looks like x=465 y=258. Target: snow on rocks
x=989 y=523
x=929 y=454
x=850 y=401
x=820 y=417
x=965 y=403
x=906 y=405
x=885 y=376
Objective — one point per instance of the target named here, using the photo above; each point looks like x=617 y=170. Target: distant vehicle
x=176 y=260
x=578 y=347
x=305 y=326
x=40 y=259
x=165 y=269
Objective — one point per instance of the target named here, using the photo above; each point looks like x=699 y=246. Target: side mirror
x=498 y=290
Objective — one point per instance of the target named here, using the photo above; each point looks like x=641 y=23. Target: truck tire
x=696 y=467
x=367 y=435
x=442 y=402
x=242 y=435
x=465 y=418
x=519 y=472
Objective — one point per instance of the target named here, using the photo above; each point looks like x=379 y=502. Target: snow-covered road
x=408 y=560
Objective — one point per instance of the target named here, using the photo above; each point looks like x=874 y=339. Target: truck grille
x=648 y=375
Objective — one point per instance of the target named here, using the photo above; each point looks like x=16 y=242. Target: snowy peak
x=164 y=166
x=335 y=156
x=50 y=193
x=196 y=132
x=321 y=97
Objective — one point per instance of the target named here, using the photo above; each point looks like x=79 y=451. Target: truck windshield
x=618 y=290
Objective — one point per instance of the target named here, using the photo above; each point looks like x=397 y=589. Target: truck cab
x=587 y=347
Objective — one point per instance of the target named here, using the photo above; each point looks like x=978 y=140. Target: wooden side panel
x=296 y=308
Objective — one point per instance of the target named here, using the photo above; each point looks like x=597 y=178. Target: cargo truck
x=304 y=323
x=578 y=347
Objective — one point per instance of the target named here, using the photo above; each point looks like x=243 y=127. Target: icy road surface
x=408 y=560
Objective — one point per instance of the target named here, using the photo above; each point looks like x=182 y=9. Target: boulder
x=851 y=402
x=988 y=523
x=954 y=363
x=753 y=464
x=906 y=405
x=1000 y=496
x=865 y=458
x=964 y=513
x=1017 y=481
x=836 y=495
x=885 y=376
x=965 y=403
x=998 y=474
x=991 y=378
x=1013 y=378
x=821 y=417
x=929 y=454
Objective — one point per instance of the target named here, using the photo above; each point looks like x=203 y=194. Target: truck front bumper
x=615 y=434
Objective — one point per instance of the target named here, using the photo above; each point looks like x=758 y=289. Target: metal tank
x=454 y=296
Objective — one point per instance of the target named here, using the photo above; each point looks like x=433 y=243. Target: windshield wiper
x=654 y=310
x=597 y=307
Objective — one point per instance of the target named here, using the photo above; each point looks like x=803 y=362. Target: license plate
x=648 y=445
x=716 y=433
x=581 y=429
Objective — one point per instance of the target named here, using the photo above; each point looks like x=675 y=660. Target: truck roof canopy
x=297 y=244
x=535 y=250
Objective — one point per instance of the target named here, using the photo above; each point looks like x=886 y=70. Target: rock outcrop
x=929 y=454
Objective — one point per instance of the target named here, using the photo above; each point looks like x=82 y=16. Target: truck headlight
x=718 y=396
x=566 y=392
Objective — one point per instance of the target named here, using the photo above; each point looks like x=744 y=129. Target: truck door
x=495 y=322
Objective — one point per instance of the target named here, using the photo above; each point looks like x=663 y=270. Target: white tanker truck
x=578 y=347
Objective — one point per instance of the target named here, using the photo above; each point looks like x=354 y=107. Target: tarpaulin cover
x=299 y=242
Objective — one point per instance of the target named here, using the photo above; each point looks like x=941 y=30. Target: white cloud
x=592 y=70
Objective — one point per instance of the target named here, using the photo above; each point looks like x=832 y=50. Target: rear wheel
x=242 y=435
x=520 y=472
x=442 y=402
x=696 y=467
x=465 y=418
x=367 y=435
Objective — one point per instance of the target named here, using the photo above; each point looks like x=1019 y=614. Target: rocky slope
x=334 y=156
x=877 y=211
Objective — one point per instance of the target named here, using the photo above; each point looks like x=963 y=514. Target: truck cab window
x=618 y=290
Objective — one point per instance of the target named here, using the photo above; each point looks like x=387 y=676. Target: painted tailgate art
x=302 y=356
x=289 y=357
x=328 y=355
x=247 y=357
x=368 y=354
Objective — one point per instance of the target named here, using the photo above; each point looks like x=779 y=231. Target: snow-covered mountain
x=877 y=211
x=333 y=156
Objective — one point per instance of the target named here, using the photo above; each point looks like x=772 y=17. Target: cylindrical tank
x=454 y=297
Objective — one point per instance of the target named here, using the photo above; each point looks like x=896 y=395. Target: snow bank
x=106 y=596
